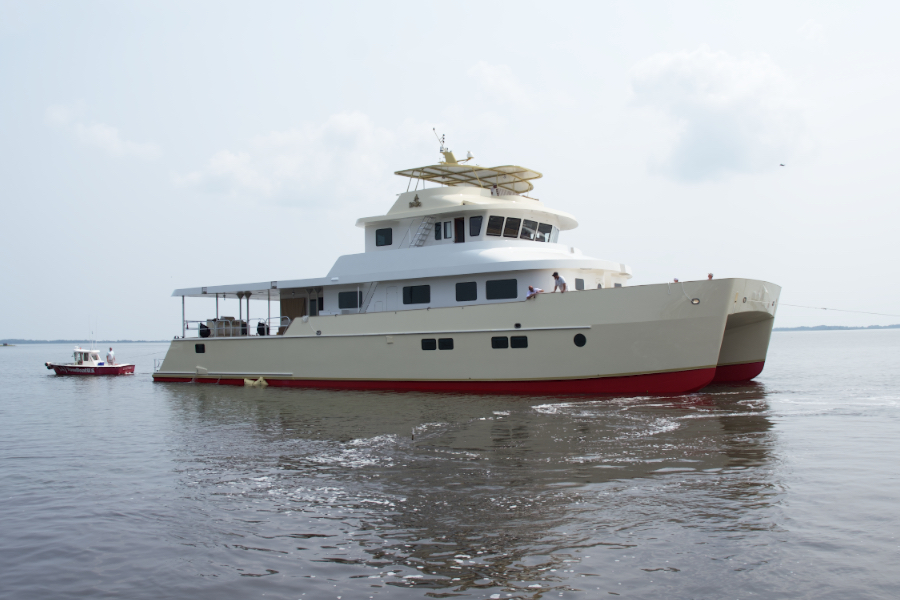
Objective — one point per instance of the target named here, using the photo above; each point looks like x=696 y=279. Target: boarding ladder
x=423 y=232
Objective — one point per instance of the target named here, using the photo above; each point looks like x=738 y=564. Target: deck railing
x=213 y=328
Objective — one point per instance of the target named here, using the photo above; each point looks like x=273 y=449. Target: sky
x=149 y=146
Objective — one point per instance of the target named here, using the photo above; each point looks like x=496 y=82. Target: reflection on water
x=447 y=495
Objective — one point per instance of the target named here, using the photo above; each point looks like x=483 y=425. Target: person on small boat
x=559 y=283
x=110 y=357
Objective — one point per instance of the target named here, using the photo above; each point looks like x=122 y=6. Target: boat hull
x=637 y=340
x=82 y=370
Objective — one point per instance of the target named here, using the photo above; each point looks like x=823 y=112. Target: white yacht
x=437 y=302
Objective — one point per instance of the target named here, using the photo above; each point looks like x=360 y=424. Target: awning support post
x=182 y=317
x=217 y=307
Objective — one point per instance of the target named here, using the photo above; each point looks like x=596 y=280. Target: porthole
x=695 y=301
x=580 y=340
x=518 y=326
x=318 y=333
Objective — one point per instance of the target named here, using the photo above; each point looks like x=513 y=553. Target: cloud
x=812 y=31
x=345 y=158
x=499 y=83
x=100 y=135
x=729 y=114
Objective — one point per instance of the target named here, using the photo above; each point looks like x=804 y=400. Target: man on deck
x=110 y=357
x=558 y=283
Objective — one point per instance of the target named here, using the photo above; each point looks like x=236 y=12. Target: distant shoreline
x=16 y=342
x=834 y=328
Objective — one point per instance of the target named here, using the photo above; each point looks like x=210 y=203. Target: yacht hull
x=654 y=339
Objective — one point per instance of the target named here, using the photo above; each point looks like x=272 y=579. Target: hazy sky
x=146 y=146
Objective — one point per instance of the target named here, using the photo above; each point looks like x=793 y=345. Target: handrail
x=237 y=327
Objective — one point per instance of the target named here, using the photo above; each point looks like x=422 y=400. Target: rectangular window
x=321 y=303
x=495 y=225
x=437 y=230
x=543 y=232
x=475 y=226
x=445 y=344
x=502 y=289
x=384 y=237
x=417 y=294
x=554 y=235
x=467 y=291
x=579 y=284
x=499 y=342
x=617 y=285
x=349 y=299
x=519 y=341
x=529 y=228
x=429 y=344
x=512 y=227
x=448 y=230
x=200 y=348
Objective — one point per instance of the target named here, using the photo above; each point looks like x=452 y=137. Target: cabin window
x=448 y=230
x=349 y=299
x=528 y=229
x=599 y=286
x=384 y=237
x=466 y=291
x=500 y=342
x=417 y=294
x=495 y=226
x=475 y=226
x=579 y=284
x=437 y=231
x=512 y=227
x=543 y=232
x=519 y=341
x=617 y=285
x=501 y=289
x=554 y=235
x=445 y=344
x=200 y=348
x=429 y=344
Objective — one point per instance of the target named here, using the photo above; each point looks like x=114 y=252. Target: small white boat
x=88 y=362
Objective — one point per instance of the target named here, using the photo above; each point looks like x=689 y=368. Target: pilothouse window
x=543 y=232
x=528 y=229
x=448 y=230
x=495 y=226
x=512 y=227
x=475 y=226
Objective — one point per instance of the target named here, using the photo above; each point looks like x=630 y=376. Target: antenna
x=440 y=138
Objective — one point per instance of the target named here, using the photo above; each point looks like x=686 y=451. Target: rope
x=861 y=312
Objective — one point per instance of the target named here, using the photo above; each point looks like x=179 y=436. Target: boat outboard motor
x=204 y=330
x=262 y=329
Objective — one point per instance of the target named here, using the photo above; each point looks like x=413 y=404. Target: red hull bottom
x=114 y=370
x=735 y=373
x=680 y=382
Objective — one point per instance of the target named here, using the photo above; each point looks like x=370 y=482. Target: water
x=121 y=488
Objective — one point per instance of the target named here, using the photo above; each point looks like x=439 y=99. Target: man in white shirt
x=533 y=292
x=558 y=283
x=110 y=357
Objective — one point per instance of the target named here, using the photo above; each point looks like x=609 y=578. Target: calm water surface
x=121 y=488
